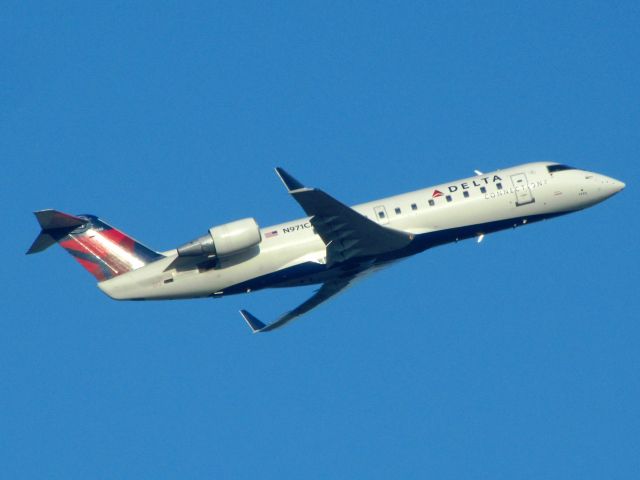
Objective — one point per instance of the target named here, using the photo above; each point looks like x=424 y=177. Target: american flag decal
x=436 y=193
x=272 y=233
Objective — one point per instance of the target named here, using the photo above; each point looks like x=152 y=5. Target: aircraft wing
x=324 y=293
x=345 y=232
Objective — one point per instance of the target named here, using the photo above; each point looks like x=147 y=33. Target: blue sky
x=516 y=358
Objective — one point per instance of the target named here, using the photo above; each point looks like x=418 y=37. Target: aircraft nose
x=611 y=186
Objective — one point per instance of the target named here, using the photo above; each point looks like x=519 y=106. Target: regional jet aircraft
x=332 y=246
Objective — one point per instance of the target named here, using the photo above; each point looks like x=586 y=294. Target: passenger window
x=397 y=211
x=414 y=206
x=448 y=197
x=381 y=214
x=499 y=186
x=466 y=194
x=483 y=190
x=431 y=202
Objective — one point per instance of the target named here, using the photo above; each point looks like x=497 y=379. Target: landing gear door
x=522 y=190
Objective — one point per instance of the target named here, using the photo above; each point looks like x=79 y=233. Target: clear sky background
x=516 y=358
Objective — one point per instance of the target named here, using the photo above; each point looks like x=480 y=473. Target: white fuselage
x=292 y=253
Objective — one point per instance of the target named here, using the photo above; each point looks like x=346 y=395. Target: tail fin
x=101 y=249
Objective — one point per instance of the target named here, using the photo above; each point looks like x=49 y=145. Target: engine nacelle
x=223 y=240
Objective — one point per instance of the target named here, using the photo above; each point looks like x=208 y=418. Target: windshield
x=559 y=168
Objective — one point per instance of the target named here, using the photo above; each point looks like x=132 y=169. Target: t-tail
x=102 y=250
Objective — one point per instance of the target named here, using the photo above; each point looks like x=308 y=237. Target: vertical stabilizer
x=101 y=249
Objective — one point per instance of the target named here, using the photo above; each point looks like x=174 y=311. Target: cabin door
x=522 y=190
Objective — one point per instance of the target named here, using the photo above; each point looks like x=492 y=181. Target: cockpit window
x=559 y=168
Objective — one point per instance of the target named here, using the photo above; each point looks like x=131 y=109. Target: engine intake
x=227 y=239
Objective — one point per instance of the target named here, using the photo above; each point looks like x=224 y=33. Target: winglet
x=256 y=325
x=289 y=182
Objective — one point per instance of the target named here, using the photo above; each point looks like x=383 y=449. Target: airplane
x=333 y=245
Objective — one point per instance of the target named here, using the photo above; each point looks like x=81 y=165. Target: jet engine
x=227 y=239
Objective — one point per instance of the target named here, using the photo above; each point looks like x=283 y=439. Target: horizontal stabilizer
x=52 y=219
x=42 y=242
x=55 y=225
